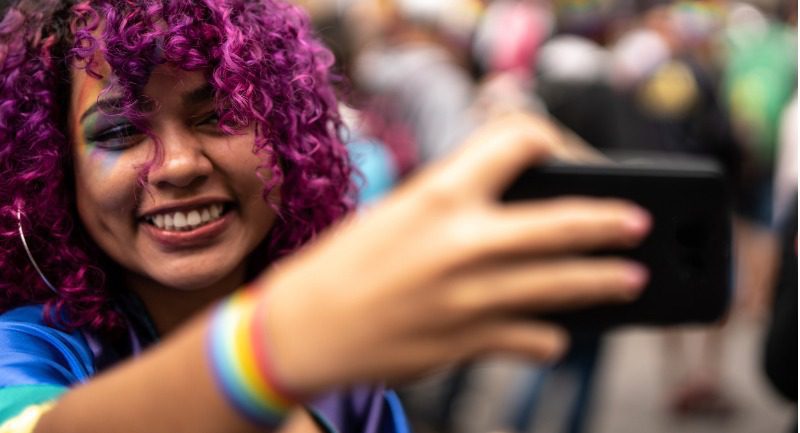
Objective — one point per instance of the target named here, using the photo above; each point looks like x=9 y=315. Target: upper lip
x=182 y=205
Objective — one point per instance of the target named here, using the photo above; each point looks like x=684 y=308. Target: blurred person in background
x=759 y=86
x=417 y=66
x=780 y=354
x=759 y=70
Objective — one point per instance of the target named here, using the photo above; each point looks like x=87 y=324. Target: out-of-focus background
x=714 y=78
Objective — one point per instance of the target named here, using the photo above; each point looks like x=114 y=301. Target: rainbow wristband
x=240 y=360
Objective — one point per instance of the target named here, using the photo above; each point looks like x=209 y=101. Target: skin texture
x=436 y=274
x=199 y=162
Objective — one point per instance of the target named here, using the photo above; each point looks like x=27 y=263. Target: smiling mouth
x=187 y=220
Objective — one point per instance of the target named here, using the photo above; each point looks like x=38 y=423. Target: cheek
x=104 y=160
x=100 y=161
x=245 y=173
x=104 y=187
x=235 y=156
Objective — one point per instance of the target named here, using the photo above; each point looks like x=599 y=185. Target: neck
x=169 y=307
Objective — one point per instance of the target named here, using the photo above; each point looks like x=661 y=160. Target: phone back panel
x=688 y=250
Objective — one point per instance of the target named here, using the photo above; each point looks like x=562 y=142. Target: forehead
x=85 y=89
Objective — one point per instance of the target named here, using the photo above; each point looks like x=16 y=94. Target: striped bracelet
x=241 y=363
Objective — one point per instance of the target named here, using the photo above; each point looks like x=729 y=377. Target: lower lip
x=199 y=237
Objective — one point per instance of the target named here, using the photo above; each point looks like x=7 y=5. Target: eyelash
x=208 y=116
x=122 y=136
x=117 y=137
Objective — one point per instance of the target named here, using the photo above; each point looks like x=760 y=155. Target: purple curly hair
x=266 y=70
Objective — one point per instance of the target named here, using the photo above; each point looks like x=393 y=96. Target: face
x=199 y=213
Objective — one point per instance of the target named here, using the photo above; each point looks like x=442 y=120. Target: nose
x=184 y=163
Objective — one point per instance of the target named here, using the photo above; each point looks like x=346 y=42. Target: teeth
x=180 y=221
x=216 y=211
x=193 y=219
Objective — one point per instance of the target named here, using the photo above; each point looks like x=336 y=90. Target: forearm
x=169 y=389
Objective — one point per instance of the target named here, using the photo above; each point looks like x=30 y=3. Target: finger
x=497 y=152
x=543 y=286
x=565 y=225
x=538 y=340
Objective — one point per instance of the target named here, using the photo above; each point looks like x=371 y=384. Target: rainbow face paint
x=96 y=142
x=92 y=126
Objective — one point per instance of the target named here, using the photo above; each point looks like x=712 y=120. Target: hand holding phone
x=688 y=251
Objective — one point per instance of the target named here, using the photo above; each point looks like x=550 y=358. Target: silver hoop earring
x=30 y=256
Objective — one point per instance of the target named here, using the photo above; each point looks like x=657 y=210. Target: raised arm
x=436 y=274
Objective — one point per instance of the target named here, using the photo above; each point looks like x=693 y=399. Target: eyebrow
x=100 y=104
x=196 y=96
x=199 y=95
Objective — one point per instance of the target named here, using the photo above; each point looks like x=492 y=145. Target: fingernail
x=560 y=344
x=638 y=221
x=636 y=276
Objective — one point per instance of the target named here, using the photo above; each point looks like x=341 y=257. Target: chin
x=197 y=281
x=214 y=271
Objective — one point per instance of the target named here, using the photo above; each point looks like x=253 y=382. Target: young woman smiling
x=161 y=160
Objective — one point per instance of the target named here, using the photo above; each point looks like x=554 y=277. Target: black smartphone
x=688 y=250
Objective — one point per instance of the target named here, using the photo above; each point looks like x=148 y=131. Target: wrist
x=241 y=361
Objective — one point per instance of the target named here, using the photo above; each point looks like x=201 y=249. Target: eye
x=210 y=123
x=211 y=118
x=117 y=137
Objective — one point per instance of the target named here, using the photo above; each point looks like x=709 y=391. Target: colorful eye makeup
x=104 y=139
x=110 y=133
x=101 y=137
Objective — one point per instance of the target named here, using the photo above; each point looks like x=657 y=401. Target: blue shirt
x=39 y=362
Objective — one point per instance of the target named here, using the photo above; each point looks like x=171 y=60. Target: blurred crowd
x=713 y=78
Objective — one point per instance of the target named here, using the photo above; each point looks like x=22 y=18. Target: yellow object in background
x=671 y=91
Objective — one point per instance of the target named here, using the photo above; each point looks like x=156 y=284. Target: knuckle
x=453 y=308
x=476 y=298
x=440 y=195
x=462 y=234
x=458 y=310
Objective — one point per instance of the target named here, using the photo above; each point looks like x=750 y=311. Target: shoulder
x=38 y=362
x=36 y=354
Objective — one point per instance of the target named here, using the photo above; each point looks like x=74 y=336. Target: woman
x=160 y=158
